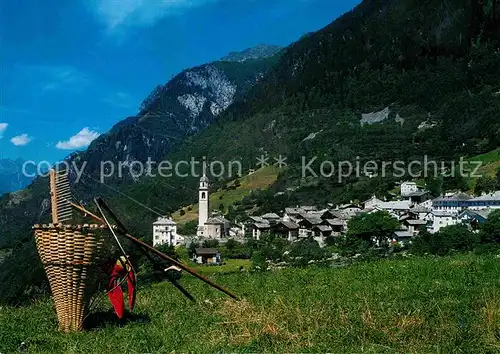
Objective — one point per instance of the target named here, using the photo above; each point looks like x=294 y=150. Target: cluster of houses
x=415 y=211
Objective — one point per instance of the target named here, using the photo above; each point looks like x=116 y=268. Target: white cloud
x=78 y=141
x=117 y=14
x=21 y=140
x=3 y=128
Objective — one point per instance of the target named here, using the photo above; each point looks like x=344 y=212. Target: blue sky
x=69 y=70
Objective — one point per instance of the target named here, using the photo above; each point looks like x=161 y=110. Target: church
x=215 y=227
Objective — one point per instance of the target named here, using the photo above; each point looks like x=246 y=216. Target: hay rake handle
x=123 y=233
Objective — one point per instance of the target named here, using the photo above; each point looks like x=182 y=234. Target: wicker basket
x=70 y=256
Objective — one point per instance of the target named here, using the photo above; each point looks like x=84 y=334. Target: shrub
x=305 y=251
x=490 y=230
x=350 y=245
x=189 y=228
x=210 y=244
x=446 y=241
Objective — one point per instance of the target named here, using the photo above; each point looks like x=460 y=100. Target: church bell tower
x=202 y=205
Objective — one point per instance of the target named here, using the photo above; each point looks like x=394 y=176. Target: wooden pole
x=159 y=254
x=53 y=196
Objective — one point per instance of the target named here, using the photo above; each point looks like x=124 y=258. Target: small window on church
x=203 y=195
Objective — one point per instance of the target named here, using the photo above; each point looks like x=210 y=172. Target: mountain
x=391 y=80
x=386 y=82
x=258 y=52
x=184 y=106
x=12 y=177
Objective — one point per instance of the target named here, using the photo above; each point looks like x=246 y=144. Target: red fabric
x=115 y=292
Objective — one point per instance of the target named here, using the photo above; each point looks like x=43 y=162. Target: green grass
x=418 y=305
x=490 y=163
x=229 y=266
x=261 y=179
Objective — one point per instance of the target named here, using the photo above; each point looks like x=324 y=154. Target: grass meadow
x=260 y=179
x=414 y=305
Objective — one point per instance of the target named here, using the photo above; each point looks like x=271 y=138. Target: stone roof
x=335 y=222
x=420 y=209
x=456 y=196
x=373 y=199
x=442 y=213
x=289 y=225
x=215 y=221
x=349 y=205
x=294 y=211
x=403 y=233
x=488 y=197
x=257 y=219
x=396 y=205
x=206 y=251
x=270 y=216
x=313 y=219
x=165 y=221
x=417 y=194
x=340 y=214
x=483 y=213
x=262 y=226
x=416 y=222
x=323 y=228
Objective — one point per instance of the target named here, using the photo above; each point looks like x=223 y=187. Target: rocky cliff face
x=186 y=105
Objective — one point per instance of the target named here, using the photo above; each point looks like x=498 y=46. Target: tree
x=379 y=225
x=304 y=251
x=490 y=230
x=231 y=244
x=192 y=248
x=446 y=241
x=485 y=184
x=189 y=228
x=210 y=244
x=435 y=186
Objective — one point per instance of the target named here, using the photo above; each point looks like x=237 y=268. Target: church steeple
x=203 y=202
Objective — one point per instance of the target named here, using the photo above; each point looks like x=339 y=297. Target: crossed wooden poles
x=61 y=211
x=123 y=232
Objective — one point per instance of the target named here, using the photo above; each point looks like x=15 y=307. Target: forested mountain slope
x=390 y=80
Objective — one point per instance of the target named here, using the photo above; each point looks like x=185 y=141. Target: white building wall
x=442 y=221
x=165 y=234
x=407 y=188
